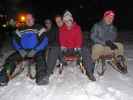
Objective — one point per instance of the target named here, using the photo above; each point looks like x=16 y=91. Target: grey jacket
x=101 y=32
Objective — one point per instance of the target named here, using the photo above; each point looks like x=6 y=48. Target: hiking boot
x=3 y=78
x=90 y=76
x=42 y=81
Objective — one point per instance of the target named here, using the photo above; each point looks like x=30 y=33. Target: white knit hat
x=67 y=16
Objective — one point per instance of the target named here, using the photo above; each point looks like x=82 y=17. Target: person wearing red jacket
x=71 y=38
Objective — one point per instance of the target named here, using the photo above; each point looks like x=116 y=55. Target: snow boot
x=3 y=78
x=42 y=80
x=122 y=67
x=90 y=76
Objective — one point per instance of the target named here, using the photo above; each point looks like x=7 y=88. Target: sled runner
x=20 y=66
x=118 y=63
x=72 y=57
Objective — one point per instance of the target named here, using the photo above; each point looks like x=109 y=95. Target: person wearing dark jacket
x=103 y=35
x=53 y=47
x=29 y=42
x=51 y=32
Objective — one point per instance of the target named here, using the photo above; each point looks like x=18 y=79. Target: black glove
x=111 y=45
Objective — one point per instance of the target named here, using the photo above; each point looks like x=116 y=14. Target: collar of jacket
x=104 y=24
x=72 y=27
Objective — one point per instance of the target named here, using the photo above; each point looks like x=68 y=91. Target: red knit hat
x=109 y=13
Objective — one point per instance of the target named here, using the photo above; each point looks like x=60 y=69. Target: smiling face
x=59 y=21
x=48 y=24
x=30 y=20
x=68 y=23
x=108 y=19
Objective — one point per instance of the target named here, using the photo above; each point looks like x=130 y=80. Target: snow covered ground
x=73 y=85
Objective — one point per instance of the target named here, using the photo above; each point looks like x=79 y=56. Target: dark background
x=85 y=12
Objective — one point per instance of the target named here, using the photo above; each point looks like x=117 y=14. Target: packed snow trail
x=73 y=85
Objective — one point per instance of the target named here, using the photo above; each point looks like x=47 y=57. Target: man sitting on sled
x=29 y=42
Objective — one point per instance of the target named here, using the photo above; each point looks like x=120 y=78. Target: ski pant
x=87 y=60
x=100 y=50
x=41 y=68
x=54 y=54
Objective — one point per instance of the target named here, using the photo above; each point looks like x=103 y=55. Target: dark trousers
x=41 y=68
x=87 y=60
x=54 y=53
x=84 y=52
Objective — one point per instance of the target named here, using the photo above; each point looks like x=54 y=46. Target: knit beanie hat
x=109 y=13
x=67 y=16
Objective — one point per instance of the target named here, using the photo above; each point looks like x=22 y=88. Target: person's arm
x=43 y=43
x=114 y=34
x=16 y=45
x=61 y=39
x=15 y=40
x=95 y=35
x=79 y=38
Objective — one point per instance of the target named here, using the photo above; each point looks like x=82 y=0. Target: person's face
x=29 y=20
x=48 y=24
x=68 y=23
x=109 y=19
x=59 y=21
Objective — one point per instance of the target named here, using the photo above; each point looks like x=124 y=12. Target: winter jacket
x=52 y=35
x=29 y=38
x=101 y=32
x=70 y=38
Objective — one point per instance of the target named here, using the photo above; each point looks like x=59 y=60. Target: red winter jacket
x=70 y=38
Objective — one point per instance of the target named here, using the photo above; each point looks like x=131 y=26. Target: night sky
x=86 y=12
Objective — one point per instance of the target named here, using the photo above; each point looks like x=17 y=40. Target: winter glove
x=111 y=45
x=22 y=52
x=32 y=53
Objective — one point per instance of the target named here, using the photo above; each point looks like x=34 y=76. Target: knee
x=120 y=46
x=10 y=59
x=97 y=48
